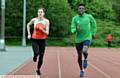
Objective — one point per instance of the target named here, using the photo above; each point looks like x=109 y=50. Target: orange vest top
x=37 y=33
x=109 y=38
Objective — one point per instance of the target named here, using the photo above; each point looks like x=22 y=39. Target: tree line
x=59 y=12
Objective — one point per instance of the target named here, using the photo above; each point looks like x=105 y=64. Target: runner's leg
x=35 y=49
x=41 y=55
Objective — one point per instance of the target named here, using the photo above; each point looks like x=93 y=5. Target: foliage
x=105 y=27
x=60 y=13
x=13 y=18
x=60 y=16
x=99 y=9
x=116 y=5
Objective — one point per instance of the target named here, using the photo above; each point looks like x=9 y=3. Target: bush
x=60 y=14
x=99 y=9
x=105 y=27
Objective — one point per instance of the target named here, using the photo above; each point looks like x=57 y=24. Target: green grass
x=67 y=42
x=104 y=27
x=49 y=42
x=13 y=42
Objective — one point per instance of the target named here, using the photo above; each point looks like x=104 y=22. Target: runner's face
x=81 y=9
x=41 y=13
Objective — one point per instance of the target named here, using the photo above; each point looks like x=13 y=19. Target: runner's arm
x=46 y=30
x=73 y=26
x=28 y=28
x=93 y=26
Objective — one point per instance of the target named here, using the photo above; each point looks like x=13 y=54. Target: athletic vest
x=37 y=33
x=109 y=38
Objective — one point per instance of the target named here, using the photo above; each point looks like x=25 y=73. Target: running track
x=61 y=62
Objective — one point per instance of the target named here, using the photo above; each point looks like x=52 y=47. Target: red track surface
x=61 y=62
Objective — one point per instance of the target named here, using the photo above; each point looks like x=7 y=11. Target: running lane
x=49 y=68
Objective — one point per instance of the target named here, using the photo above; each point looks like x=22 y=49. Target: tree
x=116 y=7
x=60 y=14
x=13 y=17
x=99 y=9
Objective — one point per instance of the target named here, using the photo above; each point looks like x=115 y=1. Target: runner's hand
x=77 y=27
x=29 y=37
x=94 y=37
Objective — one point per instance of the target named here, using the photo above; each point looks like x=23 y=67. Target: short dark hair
x=81 y=4
x=41 y=8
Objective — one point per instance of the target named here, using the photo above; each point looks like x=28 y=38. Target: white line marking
x=96 y=68
x=109 y=60
x=59 y=67
x=20 y=67
x=37 y=76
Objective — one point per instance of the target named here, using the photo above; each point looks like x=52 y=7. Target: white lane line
x=110 y=60
x=96 y=68
x=20 y=67
x=59 y=67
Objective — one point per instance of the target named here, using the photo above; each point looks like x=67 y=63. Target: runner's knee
x=85 y=48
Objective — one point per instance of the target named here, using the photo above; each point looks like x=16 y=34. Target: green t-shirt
x=87 y=25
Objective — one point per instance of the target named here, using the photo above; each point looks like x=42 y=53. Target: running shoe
x=34 y=58
x=38 y=72
x=82 y=73
x=85 y=64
